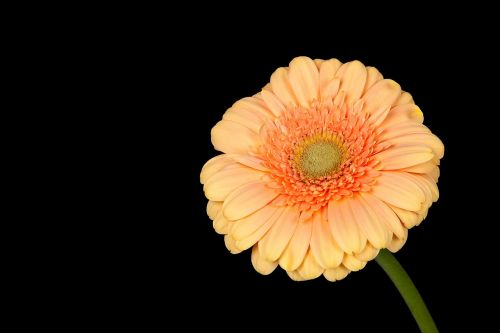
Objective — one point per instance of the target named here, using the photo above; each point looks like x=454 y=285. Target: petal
x=331 y=89
x=368 y=253
x=399 y=157
x=294 y=253
x=245 y=117
x=295 y=276
x=310 y=269
x=213 y=165
x=368 y=222
x=221 y=224
x=381 y=96
x=343 y=227
x=352 y=80
x=326 y=252
x=327 y=74
x=273 y=102
x=250 y=240
x=397 y=190
x=304 y=80
x=248 y=225
x=372 y=77
x=336 y=274
x=401 y=129
x=231 y=137
x=408 y=218
x=260 y=263
x=255 y=105
x=250 y=161
x=401 y=114
x=385 y=213
x=427 y=139
x=225 y=181
x=427 y=167
x=231 y=244
x=277 y=238
x=247 y=199
x=281 y=87
x=213 y=208
x=397 y=243
x=405 y=98
x=352 y=263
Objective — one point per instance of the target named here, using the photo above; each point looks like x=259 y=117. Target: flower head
x=324 y=167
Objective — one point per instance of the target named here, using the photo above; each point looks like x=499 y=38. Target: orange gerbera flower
x=324 y=167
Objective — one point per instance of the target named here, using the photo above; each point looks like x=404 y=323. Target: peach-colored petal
x=327 y=73
x=408 y=218
x=310 y=269
x=372 y=77
x=277 y=238
x=273 y=102
x=352 y=263
x=381 y=96
x=252 y=239
x=247 y=199
x=400 y=157
x=294 y=253
x=336 y=274
x=295 y=276
x=405 y=98
x=250 y=161
x=244 y=117
x=345 y=232
x=369 y=252
x=397 y=190
x=331 y=89
x=280 y=85
x=427 y=139
x=213 y=208
x=326 y=252
x=221 y=224
x=304 y=80
x=231 y=244
x=401 y=114
x=402 y=129
x=225 y=181
x=397 y=243
x=231 y=137
x=255 y=105
x=260 y=263
x=352 y=78
x=369 y=223
x=427 y=167
x=384 y=212
x=251 y=223
x=213 y=166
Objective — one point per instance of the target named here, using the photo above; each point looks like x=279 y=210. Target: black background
x=186 y=264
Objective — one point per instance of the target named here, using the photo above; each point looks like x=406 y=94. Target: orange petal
x=352 y=263
x=397 y=243
x=428 y=139
x=408 y=218
x=369 y=252
x=273 y=102
x=231 y=244
x=247 y=199
x=250 y=224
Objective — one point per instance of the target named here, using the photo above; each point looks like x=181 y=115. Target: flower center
x=319 y=158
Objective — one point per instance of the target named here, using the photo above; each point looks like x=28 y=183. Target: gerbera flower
x=324 y=167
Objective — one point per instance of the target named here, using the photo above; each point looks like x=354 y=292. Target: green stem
x=408 y=290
